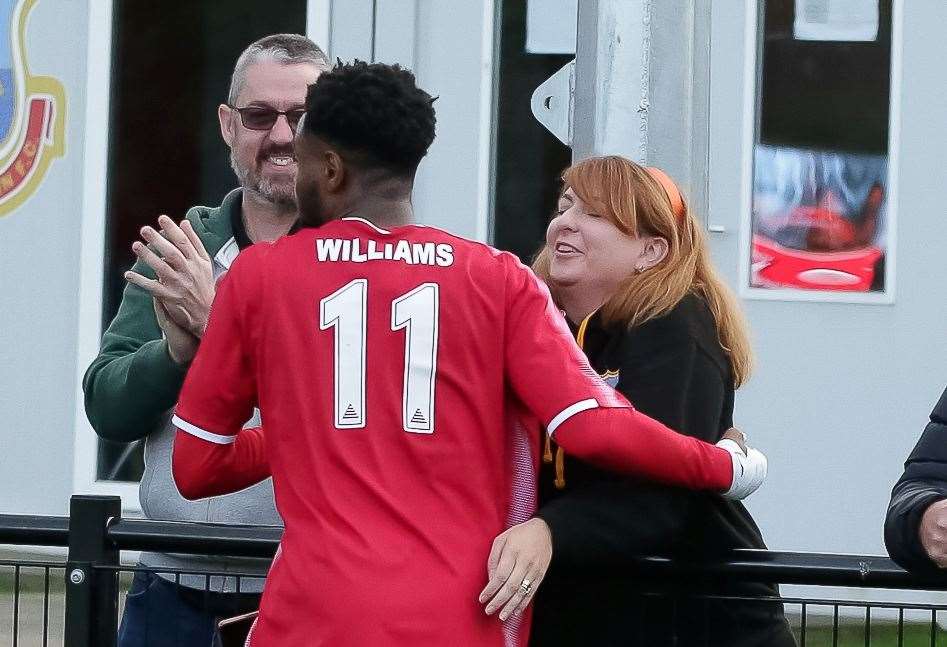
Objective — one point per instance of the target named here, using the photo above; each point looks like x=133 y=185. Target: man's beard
x=278 y=193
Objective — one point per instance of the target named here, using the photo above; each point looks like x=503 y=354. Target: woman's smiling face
x=587 y=249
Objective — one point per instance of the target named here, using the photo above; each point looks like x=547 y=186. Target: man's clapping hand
x=182 y=345
x=185 y=275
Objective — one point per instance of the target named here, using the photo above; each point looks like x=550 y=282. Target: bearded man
x=131 y=387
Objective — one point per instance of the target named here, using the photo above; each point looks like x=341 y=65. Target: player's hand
x=182 y=345
x=185 y=273
x=749 y=465
x=517 y=564
x=933 y=532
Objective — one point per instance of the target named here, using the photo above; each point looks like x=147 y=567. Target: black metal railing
x=77 y=603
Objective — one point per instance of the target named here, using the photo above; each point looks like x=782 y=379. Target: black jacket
x=924 y=481
x=673 y=369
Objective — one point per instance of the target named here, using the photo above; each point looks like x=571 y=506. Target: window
x=821 y=220
x=170 y=70
x=529 y=159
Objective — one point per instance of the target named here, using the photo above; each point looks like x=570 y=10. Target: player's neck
x=266 y=221
x=383 y=213
x=578 y=301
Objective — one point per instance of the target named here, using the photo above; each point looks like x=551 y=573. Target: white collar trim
x=370 y=224
x=227 y=253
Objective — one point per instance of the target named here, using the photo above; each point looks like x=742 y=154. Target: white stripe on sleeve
x=184 y=425
x=568 y=412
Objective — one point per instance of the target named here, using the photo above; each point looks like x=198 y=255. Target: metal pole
x=584 y=99
x=612 y=83
x=92 y=573
x=640 y=88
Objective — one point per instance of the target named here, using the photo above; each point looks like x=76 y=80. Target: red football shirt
x=386 y=365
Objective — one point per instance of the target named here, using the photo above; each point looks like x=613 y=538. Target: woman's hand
x=517 y=564
x=736 y=436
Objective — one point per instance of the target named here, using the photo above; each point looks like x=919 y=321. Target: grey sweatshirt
x=130 y=389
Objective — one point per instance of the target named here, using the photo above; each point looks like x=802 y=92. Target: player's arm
x=626 y=440
x=203 y=470
x=590 y=420
x=212 y=455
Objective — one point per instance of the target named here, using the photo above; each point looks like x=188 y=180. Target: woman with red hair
x=628 y=265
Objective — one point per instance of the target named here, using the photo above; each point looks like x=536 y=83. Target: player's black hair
x=373 y=111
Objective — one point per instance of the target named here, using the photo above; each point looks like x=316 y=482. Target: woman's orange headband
x=670 y=188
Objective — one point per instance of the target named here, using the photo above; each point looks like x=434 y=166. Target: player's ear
x=334 y=169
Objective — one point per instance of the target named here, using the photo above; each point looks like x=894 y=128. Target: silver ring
x=526 y=585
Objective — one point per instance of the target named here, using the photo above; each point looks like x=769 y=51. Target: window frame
x=93 y=235
x=751 y=104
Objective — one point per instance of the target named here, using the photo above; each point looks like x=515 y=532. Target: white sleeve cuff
x=568 y=412
x=194 y=430
x=749 y=470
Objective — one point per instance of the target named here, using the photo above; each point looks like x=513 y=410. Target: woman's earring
x=639 y=270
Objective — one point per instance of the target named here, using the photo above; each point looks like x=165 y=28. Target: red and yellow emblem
x=32 y=112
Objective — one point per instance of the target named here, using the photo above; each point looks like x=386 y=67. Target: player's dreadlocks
x=374 y=112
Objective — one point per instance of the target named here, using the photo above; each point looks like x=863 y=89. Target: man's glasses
x=263 y=118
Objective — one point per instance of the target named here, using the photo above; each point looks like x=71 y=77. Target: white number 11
x=417 y=313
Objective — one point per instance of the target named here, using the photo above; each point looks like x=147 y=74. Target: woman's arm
x=671 y=380
x=662 y=374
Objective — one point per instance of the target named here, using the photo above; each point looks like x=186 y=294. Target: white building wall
x=39 y=254
x=841 y=391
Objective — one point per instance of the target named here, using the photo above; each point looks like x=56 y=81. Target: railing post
x=91 y=591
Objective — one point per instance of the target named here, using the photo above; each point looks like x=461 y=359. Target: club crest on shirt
x=32 y=112
x=610 y=378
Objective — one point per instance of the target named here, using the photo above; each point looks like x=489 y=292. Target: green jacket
x=130 y=389
x=133 y=381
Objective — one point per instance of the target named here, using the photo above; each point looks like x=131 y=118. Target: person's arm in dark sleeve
x=606 y=521
x=924 y=482
x=133 y=381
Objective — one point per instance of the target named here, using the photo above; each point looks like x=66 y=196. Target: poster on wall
x=819 y=220
x=32 y=112
x=821 y=226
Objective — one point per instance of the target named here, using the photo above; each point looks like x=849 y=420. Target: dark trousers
x=605 y=613
x=159 y=613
